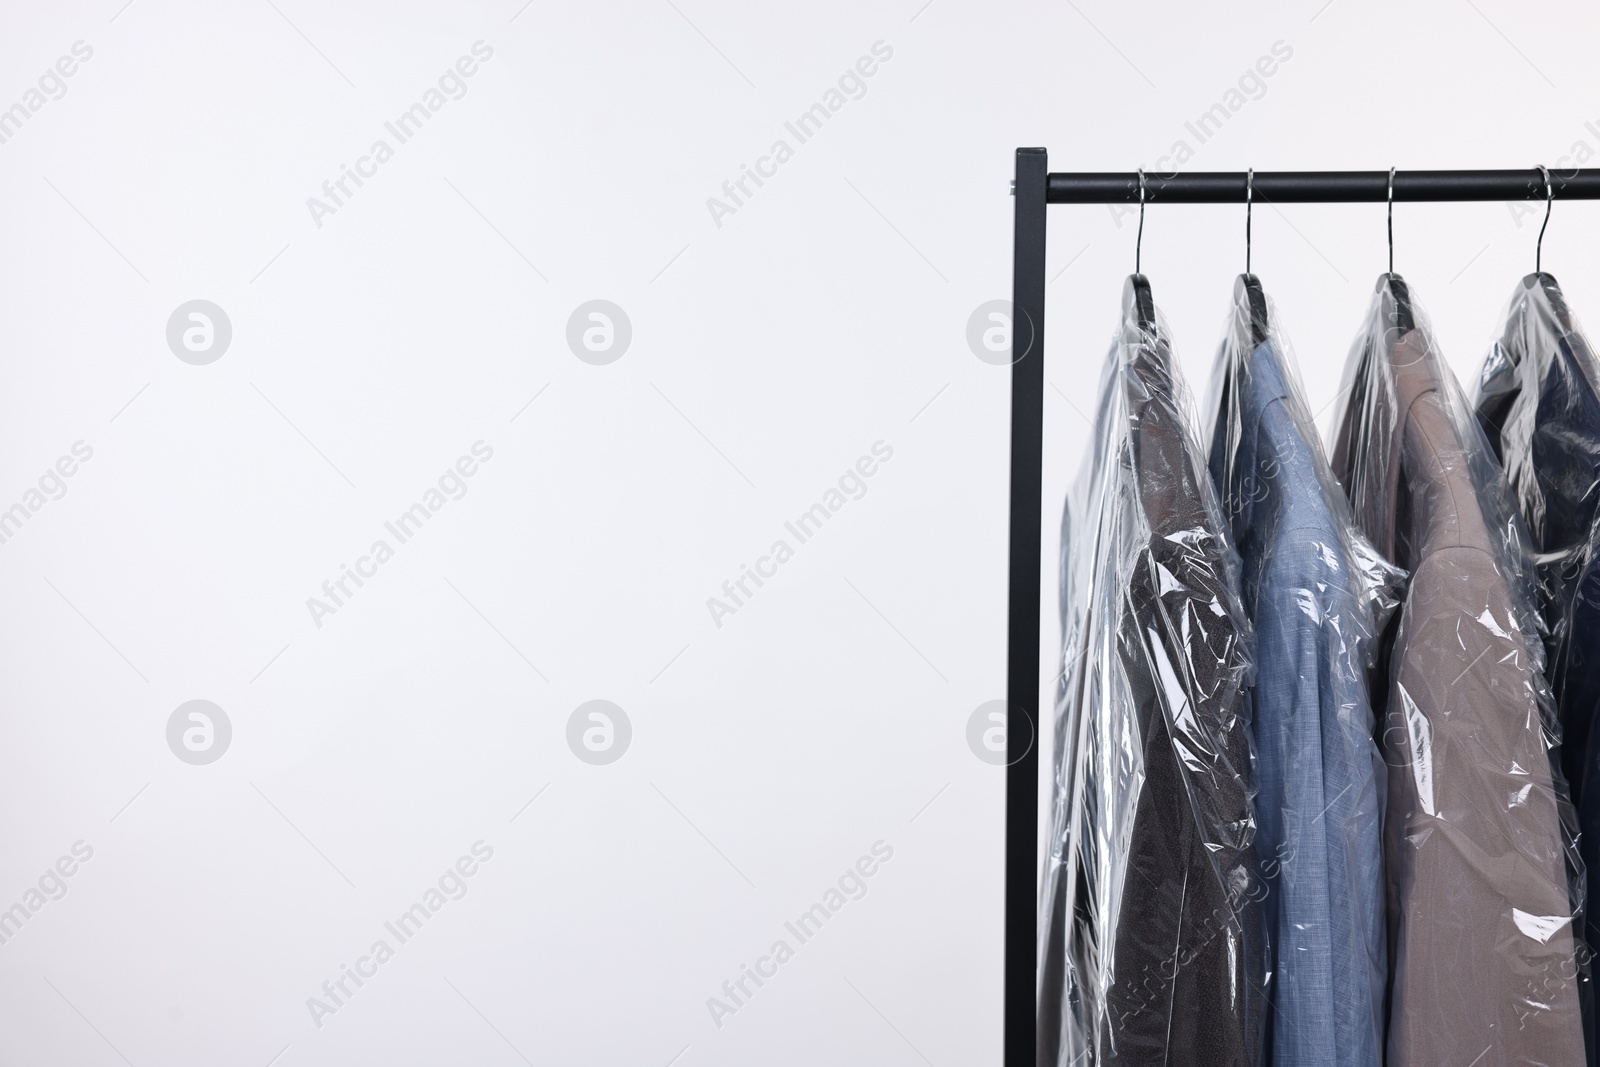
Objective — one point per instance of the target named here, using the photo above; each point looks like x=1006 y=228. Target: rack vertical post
x=1022 y=639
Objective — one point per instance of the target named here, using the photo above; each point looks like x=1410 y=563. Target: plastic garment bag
x=1318 y=595
x=1151 y=940
x=1539 y=404
x=1478 y=831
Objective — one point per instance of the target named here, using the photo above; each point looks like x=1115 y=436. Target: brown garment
x=1152 y=949
x=1186 y=980
x=1480 y=931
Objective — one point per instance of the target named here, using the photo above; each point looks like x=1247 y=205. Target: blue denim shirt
x=1318 y=810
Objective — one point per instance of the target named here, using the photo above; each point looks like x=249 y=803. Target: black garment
x=1153 y=947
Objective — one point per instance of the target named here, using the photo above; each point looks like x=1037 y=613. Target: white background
x=768 y=354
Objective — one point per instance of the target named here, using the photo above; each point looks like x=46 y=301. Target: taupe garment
x=1480 y=933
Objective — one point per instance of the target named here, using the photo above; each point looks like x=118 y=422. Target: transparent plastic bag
x=1538 y=402
x=1479 y=835
x=1318 y=595
x=1151 y=939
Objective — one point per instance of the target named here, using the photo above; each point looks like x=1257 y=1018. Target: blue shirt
x=1318 y=841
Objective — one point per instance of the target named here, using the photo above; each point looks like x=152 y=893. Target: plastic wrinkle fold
x=1151 y=938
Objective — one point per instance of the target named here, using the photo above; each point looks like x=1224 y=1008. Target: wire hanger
x=1391 y=220
x=1404 y=320
x=1249 y=204
x=1549 y=202
x=1547 y=282
x=1137 y=291
x=1248 y=285
x=1138 y=243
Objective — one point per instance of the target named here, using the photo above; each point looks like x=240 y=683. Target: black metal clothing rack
x=1035 y=188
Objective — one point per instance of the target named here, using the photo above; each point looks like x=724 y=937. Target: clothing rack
x=1034 y=189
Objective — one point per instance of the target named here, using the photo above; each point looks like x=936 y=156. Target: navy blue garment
x=1538 y=403
x=1319 y=840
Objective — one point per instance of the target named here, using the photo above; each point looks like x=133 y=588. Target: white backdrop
x=418 y=341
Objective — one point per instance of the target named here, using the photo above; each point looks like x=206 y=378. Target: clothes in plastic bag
x=1538 y=401
x=1478 y=829
x=1151 y=938
x=1318 y=595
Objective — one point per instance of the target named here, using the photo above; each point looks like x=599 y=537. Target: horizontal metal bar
x=1323 y=187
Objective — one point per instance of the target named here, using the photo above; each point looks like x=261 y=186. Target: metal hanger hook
x=1391 y=220
x=1138 y=244
x=1549 y=200
x=1249 y=198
